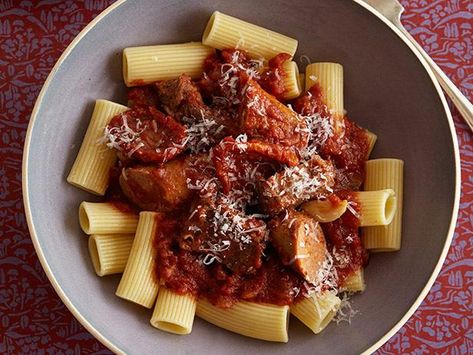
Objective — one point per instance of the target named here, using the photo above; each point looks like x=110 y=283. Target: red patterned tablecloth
x=33 y=319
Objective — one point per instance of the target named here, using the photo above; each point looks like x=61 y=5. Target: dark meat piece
x=206 y=126
x=221 y=233
x=180 y=97
x=300 y=243
x=142 y=96
x=161 y=189
x=146 y=134
x=292 y=186
x=267 y=119
x=240 y=164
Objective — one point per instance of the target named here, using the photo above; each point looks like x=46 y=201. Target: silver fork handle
x=463 y=105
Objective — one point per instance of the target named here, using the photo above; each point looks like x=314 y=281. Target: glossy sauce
x=183 y=271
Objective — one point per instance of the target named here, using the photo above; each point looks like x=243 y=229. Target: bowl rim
x=108 y=343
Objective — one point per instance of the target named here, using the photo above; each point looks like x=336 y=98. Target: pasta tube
x=145 y=65
x=223 y=31
x=105 y=218
x=385 y=174
x=317 y=311
x=174 y=313
x=302 y=80
x=138 y=283
x=109 y=252
x=355 y=282
x=292 y=84
x=91 y=168
x=330 y=78
x=371 y=138
x=255 y=320
x=377 y=208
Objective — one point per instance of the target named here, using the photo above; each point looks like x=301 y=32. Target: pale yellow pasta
x=317 y=311
x=377 y=208
x=223 y=31
x=174 y=313
x=292 y=87
x=355 y=282
x=138 y=283
x=384 y=174
x=372 y=138
x=91 y=168
x=255 y=320
x=109 y=252
x=147 y=64
x=106 y=218
x=330 y=78
x=302 y=80
x=324 y=211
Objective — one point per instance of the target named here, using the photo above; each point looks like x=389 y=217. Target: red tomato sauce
x=272 y=79
x=343 y=239
x=183 y=272
x=348 y=150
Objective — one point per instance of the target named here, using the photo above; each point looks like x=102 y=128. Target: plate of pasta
x=230 y=182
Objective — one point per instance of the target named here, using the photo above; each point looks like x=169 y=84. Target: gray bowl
x=389 y=90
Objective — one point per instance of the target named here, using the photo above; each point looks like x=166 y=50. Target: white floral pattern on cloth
x=33 y=319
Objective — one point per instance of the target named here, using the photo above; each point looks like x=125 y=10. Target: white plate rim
x=108 y=343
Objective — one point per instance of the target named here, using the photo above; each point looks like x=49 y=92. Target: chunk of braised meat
x=146 y=134
x=181 y=98
x=272 y=79
x=293 y=185
x=224 y=234
x=162 y=189
x=142 y=96
x=239 y=164
x=265 y=118
x=300 y=243
x=225 y=74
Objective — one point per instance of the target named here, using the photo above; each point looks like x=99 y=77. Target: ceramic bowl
x=388 y=90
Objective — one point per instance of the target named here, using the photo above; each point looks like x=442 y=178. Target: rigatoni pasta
x=291 y=80
x=91 y=168
x=260 y=321
x=109 y=252
x=174 y=313
x=383 y=174
x=249 y=189
x=138 y=283
x=106 y=218
x=317 y=311
x=330 y=78
x=224 y=31
x=377 y=208
x=355 y=282
x=147 y=64
x=371 y=137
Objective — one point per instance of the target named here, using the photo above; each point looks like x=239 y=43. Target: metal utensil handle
x=461 y=102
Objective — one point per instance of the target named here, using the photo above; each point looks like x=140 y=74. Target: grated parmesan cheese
x=346 y=311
